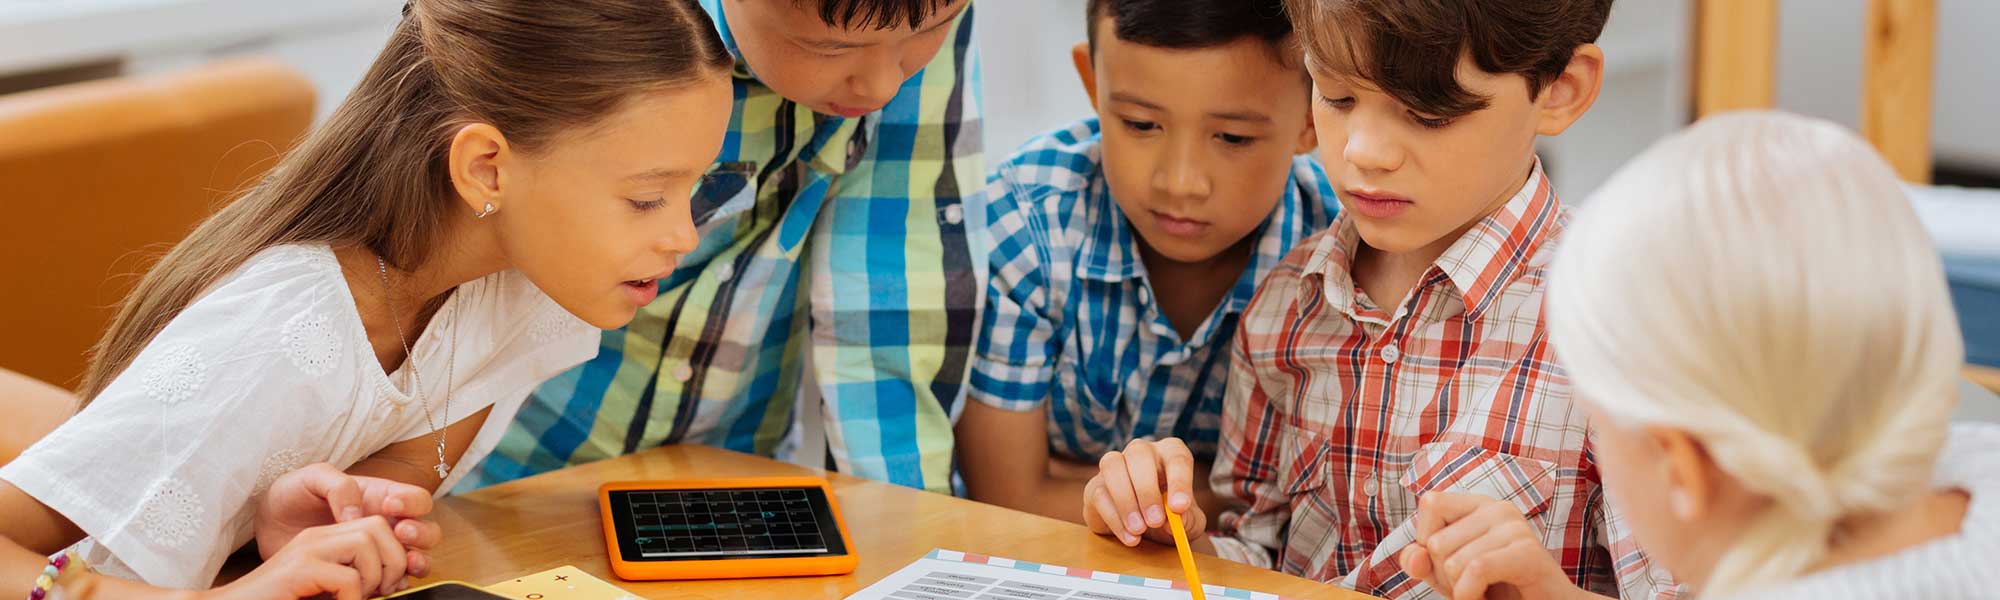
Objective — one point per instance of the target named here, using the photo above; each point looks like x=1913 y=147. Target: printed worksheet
x=952 y=575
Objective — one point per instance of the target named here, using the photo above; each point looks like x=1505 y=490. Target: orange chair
x=1987 y=377
x=99 y=178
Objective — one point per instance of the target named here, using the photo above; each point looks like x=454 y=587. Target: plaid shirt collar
x=714 y=8
x=835 y=140
x=1112 y=253
x=1479 y=266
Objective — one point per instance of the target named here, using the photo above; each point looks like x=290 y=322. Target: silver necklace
x=416 y=378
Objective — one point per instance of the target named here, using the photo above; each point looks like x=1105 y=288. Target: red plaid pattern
x=1340 y=413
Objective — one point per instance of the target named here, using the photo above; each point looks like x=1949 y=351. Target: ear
x=1309 y=139
x=1566 y=98
x=478 y=165
x=1691 y=478
x=1086 y=71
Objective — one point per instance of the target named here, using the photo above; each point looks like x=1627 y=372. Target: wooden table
x=542 y=522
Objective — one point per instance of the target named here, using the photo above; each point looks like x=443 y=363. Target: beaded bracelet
x=46 y=582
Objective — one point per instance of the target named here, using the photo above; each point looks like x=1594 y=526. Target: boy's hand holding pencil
x=1136 y=488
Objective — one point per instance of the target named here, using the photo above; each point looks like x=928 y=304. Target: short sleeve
x=1013 y=364
x=160 y=469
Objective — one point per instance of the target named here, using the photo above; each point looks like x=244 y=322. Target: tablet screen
x=723 y=524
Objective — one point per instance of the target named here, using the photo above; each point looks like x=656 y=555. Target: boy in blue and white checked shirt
x=1127 y=245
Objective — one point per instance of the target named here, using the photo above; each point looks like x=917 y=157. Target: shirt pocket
x=1460 y=468
x=729 y=190
x=1312 y=530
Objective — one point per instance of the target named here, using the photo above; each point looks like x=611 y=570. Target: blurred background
x=316 y=50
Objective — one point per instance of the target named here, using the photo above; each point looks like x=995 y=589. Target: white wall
x=332 y=42
x=1819 y=71
x=1031 y=85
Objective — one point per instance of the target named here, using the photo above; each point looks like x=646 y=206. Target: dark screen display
x=724 y=524
x=449 y=591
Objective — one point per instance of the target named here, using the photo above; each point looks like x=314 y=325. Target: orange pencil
x=1187 y=556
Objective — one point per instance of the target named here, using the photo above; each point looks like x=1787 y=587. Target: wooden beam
x=1736 y=55
x=1896 y=83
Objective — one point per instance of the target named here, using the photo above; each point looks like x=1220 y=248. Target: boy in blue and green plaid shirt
x=834 y=267
x=1128 y=245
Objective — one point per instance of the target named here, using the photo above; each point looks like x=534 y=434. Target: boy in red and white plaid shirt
x=1393 y=400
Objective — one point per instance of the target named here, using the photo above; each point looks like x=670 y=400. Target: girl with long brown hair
x=510 y=177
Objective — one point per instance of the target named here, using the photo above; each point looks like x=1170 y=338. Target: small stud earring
x=490 y=209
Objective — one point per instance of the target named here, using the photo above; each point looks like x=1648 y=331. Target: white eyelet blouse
x=269 y=371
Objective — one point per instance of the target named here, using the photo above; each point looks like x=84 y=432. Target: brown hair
x=1410 y=48
x=374 y=175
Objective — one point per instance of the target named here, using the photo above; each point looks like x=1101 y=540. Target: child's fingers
x=371 y=548
x=1493 y=566
x=1415 y=561
x=357 y=550
x=1484 y=549
x=1177 y=464
x=405 y=501
x=1143 y=466
x=1091 y=518
x=1193 y=523
x=1472 y=584
x=419 y=564
x=1436 y=510
x=1487 y=521
x=341 y=493
x=419 y=533
x=1418 y=561
x=1099 y=514
x=323 y=577
x=1109 y=517
x=1195 y=520
x=1118 y=485
x=389 y=551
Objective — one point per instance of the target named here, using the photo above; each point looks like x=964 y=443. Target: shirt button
x=1371 y=488
x=1145 y=296
x=954 y=214
x=1390 y=354
x=724 y=272
x=683 y=373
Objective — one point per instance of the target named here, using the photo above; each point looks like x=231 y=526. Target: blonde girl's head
x=1759 y=326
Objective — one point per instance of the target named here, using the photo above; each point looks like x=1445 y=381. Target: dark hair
x=875 y=14
x=1192 y=24
x=1410 y=48
x=374 y=175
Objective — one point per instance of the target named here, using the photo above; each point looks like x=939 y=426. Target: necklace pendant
x=442 y=470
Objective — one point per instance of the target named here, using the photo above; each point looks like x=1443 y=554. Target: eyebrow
x=1131 y=99
x=1245 y=116
x=833 y=44
x=659 y=175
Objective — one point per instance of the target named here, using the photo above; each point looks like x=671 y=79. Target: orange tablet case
x=738 y=568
